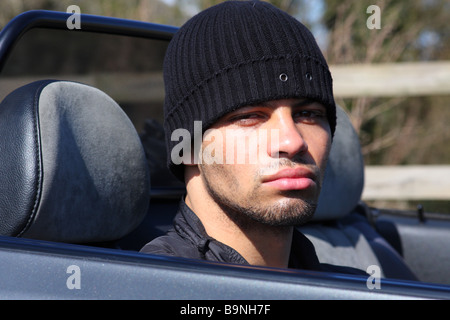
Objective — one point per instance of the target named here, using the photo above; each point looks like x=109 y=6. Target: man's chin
x=294 y=213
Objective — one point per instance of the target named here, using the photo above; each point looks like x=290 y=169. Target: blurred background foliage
x=393 y=131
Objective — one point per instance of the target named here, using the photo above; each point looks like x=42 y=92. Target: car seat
x=73 y=168
x=340 y=230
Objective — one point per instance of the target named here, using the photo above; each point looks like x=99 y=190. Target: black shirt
x=188 y=239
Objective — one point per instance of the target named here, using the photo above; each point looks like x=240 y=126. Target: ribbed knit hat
x=239 y=53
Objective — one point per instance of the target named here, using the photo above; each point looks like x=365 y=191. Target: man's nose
x=290 y=141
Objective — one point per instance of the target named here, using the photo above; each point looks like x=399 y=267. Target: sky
x=313 y=13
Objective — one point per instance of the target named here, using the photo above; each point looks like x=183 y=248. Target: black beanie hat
x=239 y=53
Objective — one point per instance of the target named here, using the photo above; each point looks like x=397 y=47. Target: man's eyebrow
x=302 y=103
x=297 y=103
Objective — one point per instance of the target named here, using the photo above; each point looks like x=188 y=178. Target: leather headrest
x=72 y=165
x=344 y=176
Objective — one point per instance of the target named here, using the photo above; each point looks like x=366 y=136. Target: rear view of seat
x=340 y=230
x=72 y=165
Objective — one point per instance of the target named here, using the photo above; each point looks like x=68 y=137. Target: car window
x=129 y=69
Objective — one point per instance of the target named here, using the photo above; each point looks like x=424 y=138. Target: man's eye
x=246 y=119
x=309 y=115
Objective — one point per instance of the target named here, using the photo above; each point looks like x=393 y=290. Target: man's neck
x=269 y=246
x=257 y=243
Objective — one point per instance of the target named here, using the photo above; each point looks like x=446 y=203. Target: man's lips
x=291 y=179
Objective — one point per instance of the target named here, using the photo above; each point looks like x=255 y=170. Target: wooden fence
x=391 y=79
x=383 y=80
x=428 y=182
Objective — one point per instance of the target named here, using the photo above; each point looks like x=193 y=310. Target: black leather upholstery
x=72 y=165
x=21 y=166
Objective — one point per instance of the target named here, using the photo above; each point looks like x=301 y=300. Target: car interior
x=73 y=167
x=83 y=165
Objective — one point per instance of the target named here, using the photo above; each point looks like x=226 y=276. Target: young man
x=248 y=73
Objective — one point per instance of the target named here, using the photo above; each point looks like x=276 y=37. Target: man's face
x=292 y=140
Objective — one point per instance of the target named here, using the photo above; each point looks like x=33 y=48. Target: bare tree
x=392 y=131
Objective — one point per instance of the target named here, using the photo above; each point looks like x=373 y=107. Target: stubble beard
x=292 y=210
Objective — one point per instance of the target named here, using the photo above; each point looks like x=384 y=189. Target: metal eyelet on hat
x=283 y=77
x=308 y=76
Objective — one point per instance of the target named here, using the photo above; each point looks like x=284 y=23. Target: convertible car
x=84 y=185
